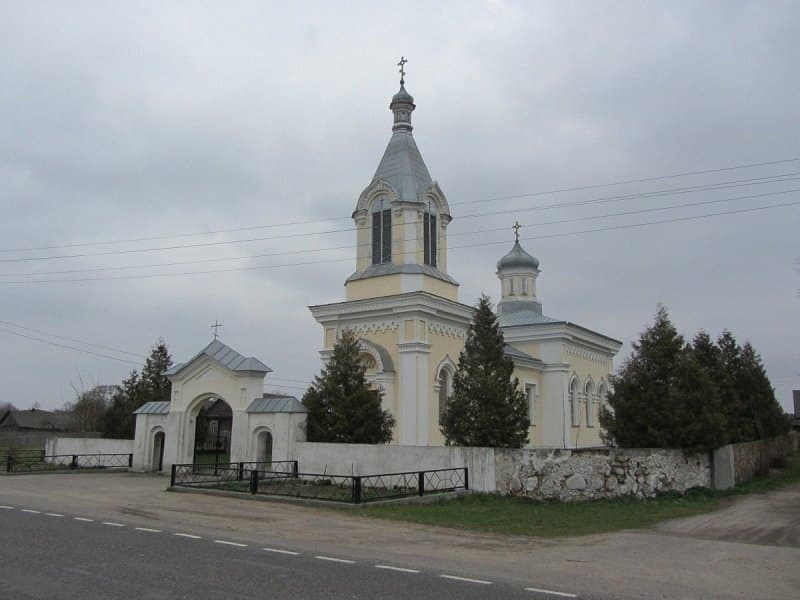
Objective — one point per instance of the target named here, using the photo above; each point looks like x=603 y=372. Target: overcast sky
x=123 y=121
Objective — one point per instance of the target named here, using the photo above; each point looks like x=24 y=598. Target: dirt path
x=768 y=519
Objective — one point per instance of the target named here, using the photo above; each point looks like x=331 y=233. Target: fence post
x=130 y=460
x=295 y=470
x=9 y=464
x=421 y=483
x=74 y=464
x=466 y=478
x=172 y=476
x=357 y=489
x=241 y=471
x=254 y=481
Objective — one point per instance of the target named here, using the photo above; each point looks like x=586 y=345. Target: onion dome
x=517 y=258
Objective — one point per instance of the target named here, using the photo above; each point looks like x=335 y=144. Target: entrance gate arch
x=212 y=434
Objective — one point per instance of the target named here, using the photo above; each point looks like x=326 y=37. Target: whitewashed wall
x=55 y=446
x=367 y=459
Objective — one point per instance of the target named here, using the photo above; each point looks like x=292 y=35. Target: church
x=403 y=305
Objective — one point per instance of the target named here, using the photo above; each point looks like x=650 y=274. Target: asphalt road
x=747 y=551
x=57 y=555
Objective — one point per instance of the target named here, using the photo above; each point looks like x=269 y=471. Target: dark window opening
x=382 y=237
x=430 y=237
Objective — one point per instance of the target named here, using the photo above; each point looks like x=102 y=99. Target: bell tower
x=401 y=219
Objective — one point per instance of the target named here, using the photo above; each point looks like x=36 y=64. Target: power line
x=317 y=262
x=63 y=337
x=455 y=203
x=51 y=343
x=693 y=189
x=629 y=181
x=351 y=246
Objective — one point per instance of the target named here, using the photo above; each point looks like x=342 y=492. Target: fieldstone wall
x=754 y=458
x=590 y=474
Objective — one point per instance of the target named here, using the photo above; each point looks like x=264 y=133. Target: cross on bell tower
x=402 y=65
x=516 y=229
x=215 y=326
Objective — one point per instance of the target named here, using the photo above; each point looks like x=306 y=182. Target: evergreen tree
x=341 y=407
x=768 y=417
x=151 y=385
x=119 y=420
x=663 y=396
x=487 y=407
x=738 y=409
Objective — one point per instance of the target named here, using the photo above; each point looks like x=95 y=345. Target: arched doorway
x=212 y=437
x=158 y=451
x=264 y=453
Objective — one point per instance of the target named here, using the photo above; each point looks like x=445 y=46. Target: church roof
x=226 y=357
x=402 y=167
x=276 y=403
x=513 y=352
x=517 y=258
x=391 y=269
x=152 y=408
x=525 y=316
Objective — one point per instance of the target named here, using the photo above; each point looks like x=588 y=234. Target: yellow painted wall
x=441 y=347
x=585 y=435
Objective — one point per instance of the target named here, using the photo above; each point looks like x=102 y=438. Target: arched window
x=588 y=392
x=530 y=396
x=381 y=232
x=573 y=402
x=524 y=282
x=431 y=235
x=444 y=392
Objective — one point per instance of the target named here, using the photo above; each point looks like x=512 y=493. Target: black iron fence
x=227 y=476
x=284 y=479
x=66 y=462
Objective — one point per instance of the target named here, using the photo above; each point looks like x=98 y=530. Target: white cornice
x=562 y=332
x=394 y=306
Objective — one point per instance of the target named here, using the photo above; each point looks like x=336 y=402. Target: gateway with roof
x=403 y=304
x=218 y=413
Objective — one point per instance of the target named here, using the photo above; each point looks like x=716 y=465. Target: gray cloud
x=126 y=122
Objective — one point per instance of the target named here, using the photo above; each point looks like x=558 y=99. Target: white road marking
x=467 y=579
x=237 y=544
x=7 y=507
x=148 y=530
x=112 y=524
x=279 y=551
x=53 y=515
x=338 y=560
x=28 y=510
x=84 y=519
x=551 y=592
x=188 y=535
x=401 y=569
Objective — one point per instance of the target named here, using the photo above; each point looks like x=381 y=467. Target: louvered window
x=429 y=224
x=382 y=237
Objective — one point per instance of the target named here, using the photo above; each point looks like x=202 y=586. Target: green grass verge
x=519 y=516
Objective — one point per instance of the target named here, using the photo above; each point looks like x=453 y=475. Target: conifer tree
x=487 y=407
x=150 y=386
x=768 y=417
x=662 y=396
x=341 y=407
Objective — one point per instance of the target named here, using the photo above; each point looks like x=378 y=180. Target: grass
x=520 y=516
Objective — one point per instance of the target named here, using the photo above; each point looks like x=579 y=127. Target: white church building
x=403 y=304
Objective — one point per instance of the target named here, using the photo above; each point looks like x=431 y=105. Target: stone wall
x=754 y=458
x=590 y=474
x=582 y=474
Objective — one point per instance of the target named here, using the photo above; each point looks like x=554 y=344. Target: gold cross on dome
x=402 y=65
x=516 y=229
x=216 y=327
